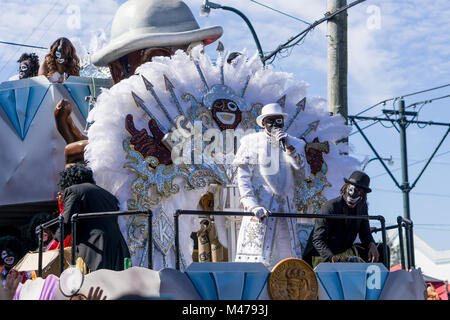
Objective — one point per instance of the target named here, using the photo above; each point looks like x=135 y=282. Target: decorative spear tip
x=302 y=104
x=282 y=101
x=147 y=83
x=168 y=83
x=220 y=47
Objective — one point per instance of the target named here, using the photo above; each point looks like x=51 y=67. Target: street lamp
x=389 y=161
x=206 y=7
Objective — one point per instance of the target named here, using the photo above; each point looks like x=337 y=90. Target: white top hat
x=140 y=24
x=271 y=109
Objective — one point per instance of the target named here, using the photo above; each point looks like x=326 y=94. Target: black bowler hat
x=359 y=179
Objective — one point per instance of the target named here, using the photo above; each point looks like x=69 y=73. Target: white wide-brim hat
x=271 y=109
x=140 y=24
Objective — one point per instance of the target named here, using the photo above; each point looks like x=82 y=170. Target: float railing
x=40 y=232
x=77 y=216
x=275 y=215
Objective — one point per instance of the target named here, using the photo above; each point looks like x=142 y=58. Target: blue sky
x=394 y=48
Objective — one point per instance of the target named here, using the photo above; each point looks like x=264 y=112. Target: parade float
x=163 y=140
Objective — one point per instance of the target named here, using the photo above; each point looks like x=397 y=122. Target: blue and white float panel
x=32 y=150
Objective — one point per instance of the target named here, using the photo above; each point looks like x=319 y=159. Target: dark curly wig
x=72 y=67
x=75 y=174
x=13 y=244
x=34 y=62
x=36 y=220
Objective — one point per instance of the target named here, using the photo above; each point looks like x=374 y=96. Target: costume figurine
x=61 y=62
x=332 y=239
x=158 y=29
x=268 y=163
x=169 y=134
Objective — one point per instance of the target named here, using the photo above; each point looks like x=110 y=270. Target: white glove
x=280 y=134
x=260 y=213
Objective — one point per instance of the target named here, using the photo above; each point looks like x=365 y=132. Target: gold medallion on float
x=293 y=279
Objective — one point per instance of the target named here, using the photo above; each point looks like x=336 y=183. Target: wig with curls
x=75 y=174
x=71 y=66
x=34 y=62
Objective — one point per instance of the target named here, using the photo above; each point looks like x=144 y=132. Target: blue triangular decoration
x=21 y=95
x=35 y=98
x=21 y=106
x=204 y=283
x=331 y=283
x=353 y=285
x=254 y=283
x=79 y=93
x=230 y=285
x=8 y=103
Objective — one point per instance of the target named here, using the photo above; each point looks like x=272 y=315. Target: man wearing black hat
x=332 y=239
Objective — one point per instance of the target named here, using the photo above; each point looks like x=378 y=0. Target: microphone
x=275 y=132
x=283 y=143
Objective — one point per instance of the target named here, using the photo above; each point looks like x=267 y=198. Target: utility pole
x=402 y=122
x=406 y=188
x=337 y=59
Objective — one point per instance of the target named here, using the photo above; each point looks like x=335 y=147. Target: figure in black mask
x=332 y=240
x=11 y=251
x=61 y=61
x=28 y=66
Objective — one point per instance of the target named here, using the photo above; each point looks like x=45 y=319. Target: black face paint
x=353 y=195
x=24 y=69
x=273 y=123
x=8 y=258
x=126 y=66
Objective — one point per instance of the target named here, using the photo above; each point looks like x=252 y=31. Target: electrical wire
x=283 y=13
x=408 y=95
x=54 y=21
x=301 y=35
x=426 y=90
x=437 y=195
x=412 y=164
x=22 y=45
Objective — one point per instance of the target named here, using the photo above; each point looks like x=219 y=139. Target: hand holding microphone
x=281 y=137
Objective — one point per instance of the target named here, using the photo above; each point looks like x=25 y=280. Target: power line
x=54 y=21
x=406 y=95
x=283 y=13
x=426 y=90
x=428 y=101
x=22 y=45
x=411 y=164
x=300 y=36
x=437 y=195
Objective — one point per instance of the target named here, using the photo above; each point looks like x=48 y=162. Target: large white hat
x=140 y=24
x=271 y=109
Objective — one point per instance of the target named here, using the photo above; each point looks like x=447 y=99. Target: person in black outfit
x=99 y=241
x=332 y=239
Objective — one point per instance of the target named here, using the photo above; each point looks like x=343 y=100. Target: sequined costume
x=266 y=176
